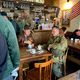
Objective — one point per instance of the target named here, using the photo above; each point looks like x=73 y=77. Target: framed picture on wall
x=66 y=17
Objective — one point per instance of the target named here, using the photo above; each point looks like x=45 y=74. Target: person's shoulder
x=9 y=23
x=30 y=36
x=51 y=38
x=62 y=37
x=1 y=17
x=2 y=20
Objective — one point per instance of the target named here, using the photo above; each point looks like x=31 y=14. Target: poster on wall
x=66 y=17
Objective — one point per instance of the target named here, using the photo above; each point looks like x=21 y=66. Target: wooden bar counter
x=75 y=50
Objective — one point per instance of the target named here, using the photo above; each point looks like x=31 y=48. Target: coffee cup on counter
x=72 y=39
x=30 y=46
x=76 y=40
x=39 y=47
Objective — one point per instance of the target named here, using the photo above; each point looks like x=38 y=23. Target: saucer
x=40 y=51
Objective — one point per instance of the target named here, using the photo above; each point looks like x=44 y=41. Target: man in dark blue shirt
x=76 y=34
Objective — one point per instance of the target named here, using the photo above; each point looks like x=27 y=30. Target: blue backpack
x=3 y=55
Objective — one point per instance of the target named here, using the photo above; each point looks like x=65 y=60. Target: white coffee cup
x=33 y=51
x=76 y=40
x=71 y=39
x=39 y=47
x=29 y=46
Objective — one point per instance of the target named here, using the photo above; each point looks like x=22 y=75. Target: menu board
x=38 y=1
x=11 y=4
x=8 y=4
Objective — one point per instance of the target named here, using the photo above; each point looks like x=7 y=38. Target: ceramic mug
x=76 y=40
x=33 y=51
x=72 y=40
x=29 y=46
x=39 y=47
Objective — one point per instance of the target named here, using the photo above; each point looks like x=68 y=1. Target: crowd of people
x=14 y=32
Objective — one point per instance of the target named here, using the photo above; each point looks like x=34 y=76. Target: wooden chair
x=42 y=71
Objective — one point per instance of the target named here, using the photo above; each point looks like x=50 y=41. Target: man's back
x=13 y=59
x=3 y=55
